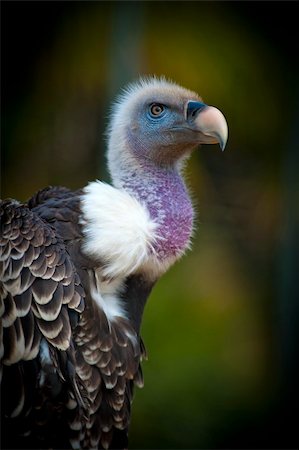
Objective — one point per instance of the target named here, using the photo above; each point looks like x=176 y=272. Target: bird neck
x=162 y=190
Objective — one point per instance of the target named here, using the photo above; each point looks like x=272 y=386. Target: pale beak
x=209 y=122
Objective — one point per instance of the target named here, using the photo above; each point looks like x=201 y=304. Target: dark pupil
x=156 y=110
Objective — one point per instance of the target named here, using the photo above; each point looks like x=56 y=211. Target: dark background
x=221 y=327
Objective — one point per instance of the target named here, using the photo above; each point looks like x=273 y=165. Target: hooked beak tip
x=222 y=144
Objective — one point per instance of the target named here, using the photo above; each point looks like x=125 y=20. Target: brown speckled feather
x=40 y=292
x=109 y=363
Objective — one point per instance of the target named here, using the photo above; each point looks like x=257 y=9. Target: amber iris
x=156 y=109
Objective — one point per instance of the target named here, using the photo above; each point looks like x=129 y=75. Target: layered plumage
x=77 y=268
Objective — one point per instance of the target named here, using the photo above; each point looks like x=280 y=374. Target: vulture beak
x=209 y=122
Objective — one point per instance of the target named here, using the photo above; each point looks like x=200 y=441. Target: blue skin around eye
x=156 y=126
x=157 y=130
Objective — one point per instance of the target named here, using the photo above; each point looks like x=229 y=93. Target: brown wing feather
x=40 y=292
x=108 y=358
x=36 y=274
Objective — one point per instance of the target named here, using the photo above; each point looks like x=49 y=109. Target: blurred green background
x=221 y=327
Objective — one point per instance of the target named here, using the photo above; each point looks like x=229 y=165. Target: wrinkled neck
x=163 y=192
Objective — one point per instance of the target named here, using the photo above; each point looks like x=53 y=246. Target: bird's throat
x=163 y=192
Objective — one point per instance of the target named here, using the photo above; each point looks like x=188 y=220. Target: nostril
x=193 y=108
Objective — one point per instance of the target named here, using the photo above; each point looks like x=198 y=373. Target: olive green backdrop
x=220 y=327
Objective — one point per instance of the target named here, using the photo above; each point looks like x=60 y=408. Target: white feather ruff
x=118 y=229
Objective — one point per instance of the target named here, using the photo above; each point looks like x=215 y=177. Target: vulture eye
x=156 y=109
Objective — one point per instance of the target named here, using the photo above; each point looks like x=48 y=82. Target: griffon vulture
x=77 y=268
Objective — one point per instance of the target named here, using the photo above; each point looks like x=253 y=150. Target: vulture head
x=158 y=123
x=155 y=124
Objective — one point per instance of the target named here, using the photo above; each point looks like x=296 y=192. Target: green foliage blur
x=220 y=327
